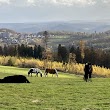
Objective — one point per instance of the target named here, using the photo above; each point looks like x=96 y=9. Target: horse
x=51 y=71
x=14 y=79
x=35 y=70
x=88 y=71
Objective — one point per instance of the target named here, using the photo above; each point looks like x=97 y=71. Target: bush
x=33 y=63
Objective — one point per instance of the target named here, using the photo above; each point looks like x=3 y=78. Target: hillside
x=71 y=26
x=96 y=40
x=70 y=33
x=7 y=30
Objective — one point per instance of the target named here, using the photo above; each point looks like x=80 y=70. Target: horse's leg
x=90 y=77
x=31 y=74
x=56 y=74
x=28 y=74
x=37 y=74
x=40 y=74
x=46 y=74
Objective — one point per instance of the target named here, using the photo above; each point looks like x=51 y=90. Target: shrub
x=74 y=68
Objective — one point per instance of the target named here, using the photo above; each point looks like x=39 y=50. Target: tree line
x=22 y=51
x=95 y=56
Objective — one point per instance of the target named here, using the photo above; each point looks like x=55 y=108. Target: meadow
x=67 y=92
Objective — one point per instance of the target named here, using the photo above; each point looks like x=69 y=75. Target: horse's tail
x=56 y=72
x=45 y=72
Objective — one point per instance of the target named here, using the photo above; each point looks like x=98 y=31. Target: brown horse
x=51 y=71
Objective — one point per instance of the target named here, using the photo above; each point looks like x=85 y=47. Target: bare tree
x=82 y=47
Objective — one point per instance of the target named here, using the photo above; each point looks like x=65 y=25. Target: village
x=9 y=37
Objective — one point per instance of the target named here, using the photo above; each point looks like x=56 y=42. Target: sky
x=21 y=11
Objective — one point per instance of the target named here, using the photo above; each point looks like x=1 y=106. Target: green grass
x=67 y=92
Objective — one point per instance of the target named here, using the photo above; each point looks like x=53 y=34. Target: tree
x=5 y=50
x=12 y=51
x=62 y=53
x=45 y=34
x=39 y=52
x=72 y=49
x=35 y=52
x=1 y=50
x=30 y=51
x=82 y=47
x=59 y=53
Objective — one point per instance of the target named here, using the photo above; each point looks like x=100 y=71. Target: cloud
x=106 y=1
x=31 y=2
x=4 y=2
x=62 y=2
x=33 y=10
x=65 y=3
x=75 y=2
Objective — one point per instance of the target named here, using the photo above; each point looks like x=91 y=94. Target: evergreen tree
x=30 y=51
x=1 y=50
x=62 y=53
x=45 y=34
x=5 y=50
x=39 y=51
x=35 y=52
x=59 y=53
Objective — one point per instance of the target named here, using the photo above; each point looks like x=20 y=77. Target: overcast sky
x=53 y=10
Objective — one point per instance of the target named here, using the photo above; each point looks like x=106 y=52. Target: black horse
x=14 y=79
x=35 y=70
x=88 y=71
x=51 y=71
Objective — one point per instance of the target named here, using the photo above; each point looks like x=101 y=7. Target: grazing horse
x=51 y=71
x=14 y=79
x=35 y=70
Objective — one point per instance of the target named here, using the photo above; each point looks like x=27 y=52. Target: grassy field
x=67 y=92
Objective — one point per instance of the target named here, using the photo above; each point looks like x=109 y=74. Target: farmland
x=67 y=92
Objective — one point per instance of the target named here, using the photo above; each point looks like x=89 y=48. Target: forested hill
x=96 y=39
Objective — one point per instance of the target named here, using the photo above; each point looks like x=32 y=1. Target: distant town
x=9 y=37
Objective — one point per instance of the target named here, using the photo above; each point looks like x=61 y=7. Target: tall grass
x=30 y=62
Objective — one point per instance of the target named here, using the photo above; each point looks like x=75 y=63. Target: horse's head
x=28 y=73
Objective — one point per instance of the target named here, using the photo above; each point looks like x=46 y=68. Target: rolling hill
x=70 y=26
x=96 y=34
